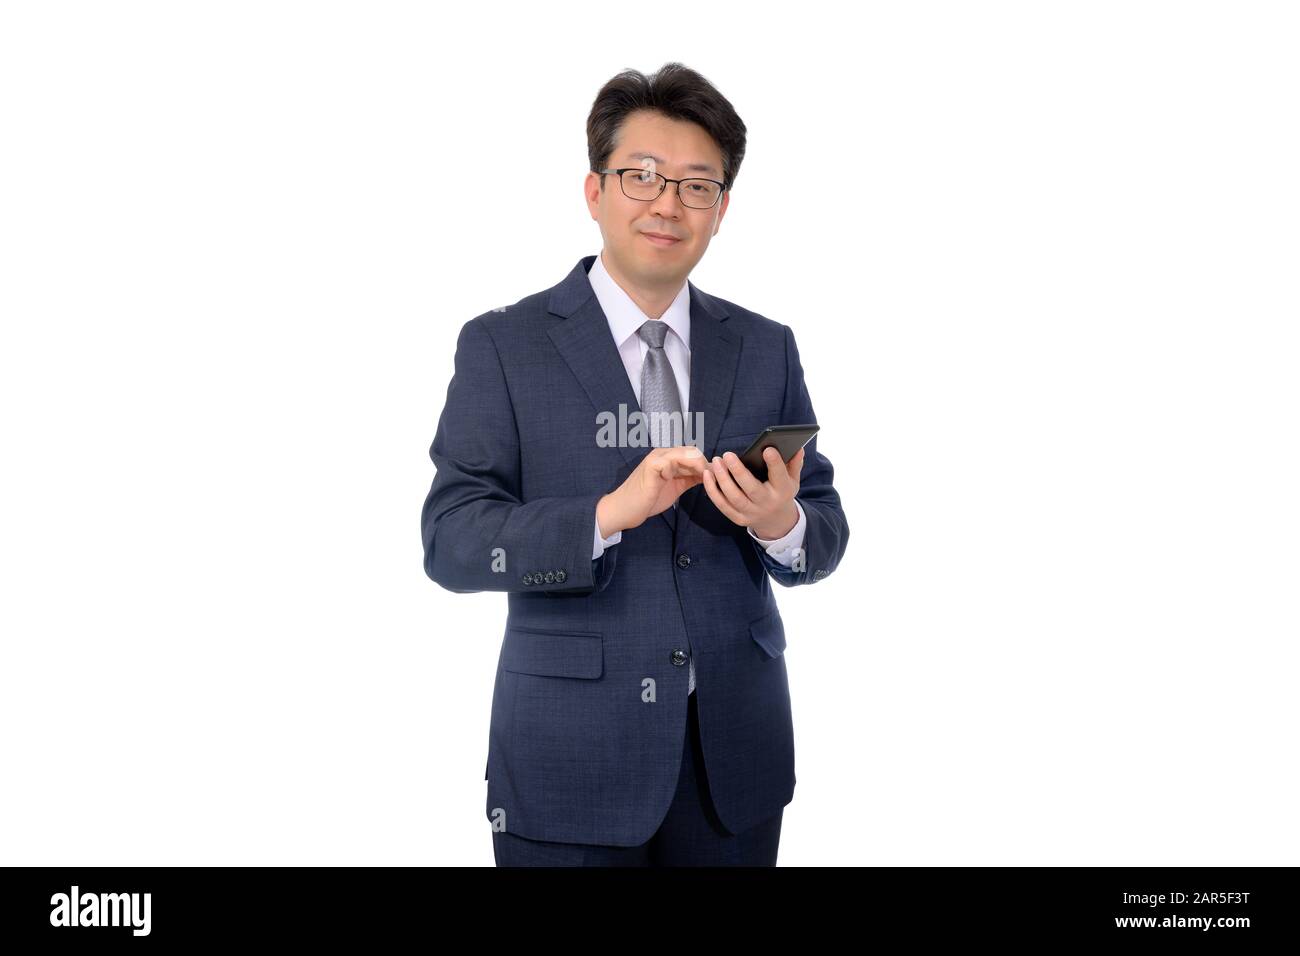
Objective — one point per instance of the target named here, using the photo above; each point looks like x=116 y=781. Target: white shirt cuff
x=782 y=549
x=599 y=544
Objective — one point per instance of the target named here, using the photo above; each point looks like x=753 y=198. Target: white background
x=1047 y=309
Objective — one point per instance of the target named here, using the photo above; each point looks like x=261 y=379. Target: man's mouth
x=659 y=239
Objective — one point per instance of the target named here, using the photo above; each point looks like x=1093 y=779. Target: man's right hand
x=659 y=480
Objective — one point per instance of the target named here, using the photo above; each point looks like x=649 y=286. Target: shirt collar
x=625 y=316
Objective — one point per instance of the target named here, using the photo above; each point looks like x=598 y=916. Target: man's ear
x=591 y=192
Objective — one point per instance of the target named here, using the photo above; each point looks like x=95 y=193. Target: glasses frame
x=663 y=184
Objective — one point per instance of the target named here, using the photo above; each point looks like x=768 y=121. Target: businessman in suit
x=586 y=465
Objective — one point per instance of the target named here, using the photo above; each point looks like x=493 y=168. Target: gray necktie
x=659 y=394
x=659 y=387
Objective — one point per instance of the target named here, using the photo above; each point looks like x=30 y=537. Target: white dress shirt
x=625 y=317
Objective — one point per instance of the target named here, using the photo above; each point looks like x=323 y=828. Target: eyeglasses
x=646 y=185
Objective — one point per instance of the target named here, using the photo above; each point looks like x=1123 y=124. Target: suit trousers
x=690 y=835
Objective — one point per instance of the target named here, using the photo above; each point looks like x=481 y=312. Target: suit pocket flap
x=769 y=634
x=553 y=653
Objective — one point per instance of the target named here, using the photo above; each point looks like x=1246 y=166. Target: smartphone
x=786 y=439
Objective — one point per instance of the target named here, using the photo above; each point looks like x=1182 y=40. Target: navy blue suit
x=589 y=707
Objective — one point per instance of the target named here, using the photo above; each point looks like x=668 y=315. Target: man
x=641 y=712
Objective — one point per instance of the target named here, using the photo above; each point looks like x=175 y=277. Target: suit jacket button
x=678 y=658
x=560 y=576
x=550 y=577
x=528 y=579
x=683 y=560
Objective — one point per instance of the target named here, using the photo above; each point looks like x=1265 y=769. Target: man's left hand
x=766 y=508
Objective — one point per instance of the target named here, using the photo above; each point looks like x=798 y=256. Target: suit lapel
x=715 y=355
x=584 y=342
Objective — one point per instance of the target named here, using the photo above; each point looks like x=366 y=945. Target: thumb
x=795 y=464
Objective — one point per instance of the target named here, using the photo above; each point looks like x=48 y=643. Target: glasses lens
x=699 y=193
x=642 y=184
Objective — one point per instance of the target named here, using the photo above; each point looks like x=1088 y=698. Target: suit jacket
x=589 y=705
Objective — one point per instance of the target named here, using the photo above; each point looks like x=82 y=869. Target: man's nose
x=667 y=205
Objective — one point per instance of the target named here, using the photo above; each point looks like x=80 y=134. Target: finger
x=719 y=500
x=777 y=475
x=793 y=469
x=742 y=475
x=795 y=465
x=669 y=463
x=727 y=485
x=687 y=459
x=689 y=463
x=661 y=467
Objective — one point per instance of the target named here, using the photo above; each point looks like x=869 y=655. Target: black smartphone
x=786 y=439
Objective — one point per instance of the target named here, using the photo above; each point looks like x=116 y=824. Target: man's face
x=679 y=150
